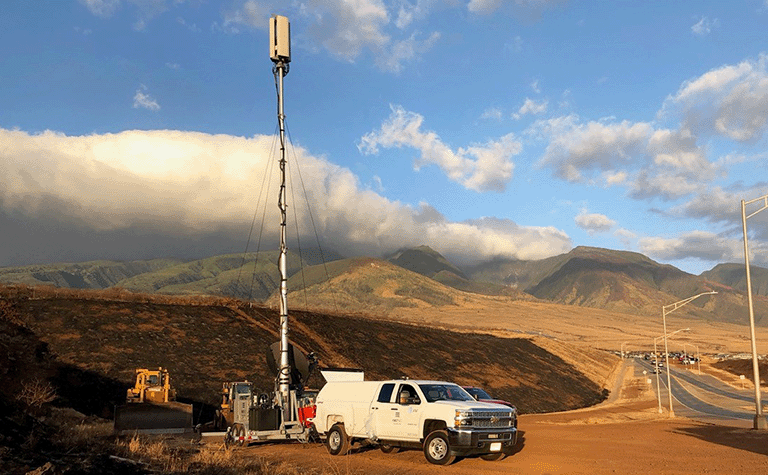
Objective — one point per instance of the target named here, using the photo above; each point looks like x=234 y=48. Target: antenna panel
x=279 y=39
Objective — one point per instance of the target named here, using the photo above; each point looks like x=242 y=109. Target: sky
x=138 y=129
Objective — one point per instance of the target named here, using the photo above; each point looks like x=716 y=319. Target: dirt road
x=626 y=435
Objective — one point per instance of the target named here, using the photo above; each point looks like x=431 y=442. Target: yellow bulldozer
x=151 y=407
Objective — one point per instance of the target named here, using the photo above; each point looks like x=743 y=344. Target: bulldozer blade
x=148 y=418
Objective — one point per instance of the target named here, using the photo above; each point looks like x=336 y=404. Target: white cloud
x=483 y=6
x=250 y=13
x=625 y=236
x=394 y=55
x=594 y=223
x=530 y=7
x=101 y=8
x=704 y=26
x=731 y=101
x=477 y=167
x=492 y=113
x=575 y=148
x=347 y=29
x=531 y=107
x=703 y=245
x=146 y=10
x=615 y=178
x=144 y=101
x=178 y=184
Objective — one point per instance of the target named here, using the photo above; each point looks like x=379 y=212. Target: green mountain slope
x=83 y=275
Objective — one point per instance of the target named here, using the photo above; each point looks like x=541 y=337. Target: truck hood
x=474 y=405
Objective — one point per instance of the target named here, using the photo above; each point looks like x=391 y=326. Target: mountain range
x=619 y=281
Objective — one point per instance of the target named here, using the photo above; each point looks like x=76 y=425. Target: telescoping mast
x=280 y=53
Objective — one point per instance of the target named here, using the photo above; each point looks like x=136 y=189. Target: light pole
x=760 y=421
x=698 y=355
x=656 y=357
x=669 y=309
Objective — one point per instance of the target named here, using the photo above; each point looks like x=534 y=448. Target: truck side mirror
x=477 y=398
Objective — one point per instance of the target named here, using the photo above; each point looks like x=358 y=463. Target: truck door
x=383 y=412
x=410 y=403
x=397 y=412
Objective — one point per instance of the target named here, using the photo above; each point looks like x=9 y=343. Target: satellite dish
x=299 y=364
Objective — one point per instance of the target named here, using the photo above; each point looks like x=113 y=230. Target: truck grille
x=491 y=419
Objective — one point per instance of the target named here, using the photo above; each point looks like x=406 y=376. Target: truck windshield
x=444 y=392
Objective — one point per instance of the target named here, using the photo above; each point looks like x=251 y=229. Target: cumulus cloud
x=141 y=100
x=594 y=223
x=144 y=194
x=723 y=207
x=730 y=101
x=576 y=149
x=702 y=245
x=480 y=167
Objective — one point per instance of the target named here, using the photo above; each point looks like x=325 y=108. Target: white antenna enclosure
x=279 y=39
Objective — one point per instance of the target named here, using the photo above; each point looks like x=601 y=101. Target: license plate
x=496 y=447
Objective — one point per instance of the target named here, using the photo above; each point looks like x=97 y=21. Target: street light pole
x=760 y=421
x=669 y=309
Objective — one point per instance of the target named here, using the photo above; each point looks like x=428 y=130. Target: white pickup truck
x=438 y=417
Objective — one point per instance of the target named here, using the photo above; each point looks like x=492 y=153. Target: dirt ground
x=624 y=435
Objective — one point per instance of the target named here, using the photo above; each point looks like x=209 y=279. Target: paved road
x=701 y=394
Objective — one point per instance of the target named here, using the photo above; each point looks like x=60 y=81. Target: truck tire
x=437 y=448
x=492 y=457
x=337 y=441
x=389 y=449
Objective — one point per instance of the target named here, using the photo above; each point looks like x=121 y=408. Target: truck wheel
x=389 y=449
x=337 y=441
x=437 y=449
x=493 y=457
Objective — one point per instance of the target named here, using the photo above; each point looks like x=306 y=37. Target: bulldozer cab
x=151 y=386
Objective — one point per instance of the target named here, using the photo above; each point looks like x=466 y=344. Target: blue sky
x=132 y=129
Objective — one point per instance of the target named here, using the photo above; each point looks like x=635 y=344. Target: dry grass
x=175 y=457
x=36 y=393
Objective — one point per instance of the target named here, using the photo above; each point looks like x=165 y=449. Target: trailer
x=252 y=416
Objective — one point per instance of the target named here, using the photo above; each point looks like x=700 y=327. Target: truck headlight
x=462 y=419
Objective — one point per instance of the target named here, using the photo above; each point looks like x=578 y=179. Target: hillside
x=205 y=344
x=735 y=276
x=589 y=277
x=425 y=261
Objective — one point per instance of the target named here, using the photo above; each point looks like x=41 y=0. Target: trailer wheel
x=238 y=434
x=437 y=449
x=337 y=440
